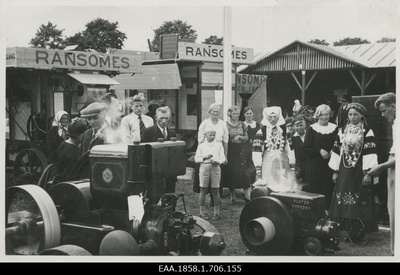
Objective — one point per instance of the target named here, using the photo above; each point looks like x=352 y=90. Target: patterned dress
x=271 y=152
x=318 y=174
x=235 y=174
x=354 y=152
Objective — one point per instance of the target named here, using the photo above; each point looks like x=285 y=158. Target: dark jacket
x=53 y=139
x=86 y=138
x=152 y=134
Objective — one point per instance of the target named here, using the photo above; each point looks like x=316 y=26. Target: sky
x=263 y=25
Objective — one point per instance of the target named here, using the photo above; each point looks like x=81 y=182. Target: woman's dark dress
x=318 y=174
x=53 y=140
x=352 y=204
x=251 y=169
x=65 y=157
x=235 y=174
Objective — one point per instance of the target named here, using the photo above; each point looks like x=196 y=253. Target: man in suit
x=158 y=131
x=94 y=113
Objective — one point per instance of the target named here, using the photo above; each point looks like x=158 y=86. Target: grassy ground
x=228 y=226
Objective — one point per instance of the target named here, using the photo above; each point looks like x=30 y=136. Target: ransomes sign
x=213 y=53
x=48 y=59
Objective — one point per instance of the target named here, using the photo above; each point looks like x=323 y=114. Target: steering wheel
x=34 y=127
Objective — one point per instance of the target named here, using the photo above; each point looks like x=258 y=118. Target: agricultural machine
x=121 y=210
x=287 y=222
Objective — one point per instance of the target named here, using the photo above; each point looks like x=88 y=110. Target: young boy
x=210 y=154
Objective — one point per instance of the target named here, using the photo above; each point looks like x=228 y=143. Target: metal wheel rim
x=31 y=152
x=51 y=220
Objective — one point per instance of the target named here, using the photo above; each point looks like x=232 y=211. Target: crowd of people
x=309 y=151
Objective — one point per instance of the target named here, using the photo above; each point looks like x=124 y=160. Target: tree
x=48 y=36
x=183 y=30
x=319 y=42
x=99 y=35
x=350 y=41
x=76 y=39
x=386 y=39
x=213 y=39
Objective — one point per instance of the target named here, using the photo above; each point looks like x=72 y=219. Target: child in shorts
x=210 y=154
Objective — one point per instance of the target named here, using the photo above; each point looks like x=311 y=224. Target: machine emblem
x=107 y=175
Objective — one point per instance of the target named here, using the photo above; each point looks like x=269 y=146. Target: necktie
x=165 y=134
x=93 y=137
x=141 y=125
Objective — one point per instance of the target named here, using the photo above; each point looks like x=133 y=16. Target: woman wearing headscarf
x=271 y=150
x=353 y=154
x=318 y=144
x=58 y=132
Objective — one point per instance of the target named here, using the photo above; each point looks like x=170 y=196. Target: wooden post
x=303 y=88
x=363 y=82
x=227 y=61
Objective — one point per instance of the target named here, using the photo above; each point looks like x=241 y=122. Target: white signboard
x=213 y=53
x=249 y=83
x=39 y=58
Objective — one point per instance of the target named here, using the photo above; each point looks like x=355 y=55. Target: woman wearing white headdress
x=271 y=151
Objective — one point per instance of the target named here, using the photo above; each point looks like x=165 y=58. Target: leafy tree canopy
x=350 y=41
x=319 y=42
x=386 y=39
x=179 y=27
x=213 y=39
x=48 y=36
x=100 y=35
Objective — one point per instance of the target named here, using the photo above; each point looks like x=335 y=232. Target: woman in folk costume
x=353 y=154
x=271 y=151
x=58 y=132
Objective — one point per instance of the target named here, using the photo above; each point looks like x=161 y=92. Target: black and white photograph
x=131 y=136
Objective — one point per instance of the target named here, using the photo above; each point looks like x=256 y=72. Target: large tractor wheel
x=32 y=221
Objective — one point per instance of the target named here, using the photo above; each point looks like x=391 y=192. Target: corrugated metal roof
x=375 y=55
x=365 y=55
x=153 y=77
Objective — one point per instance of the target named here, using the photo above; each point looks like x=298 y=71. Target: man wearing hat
x=96 y=135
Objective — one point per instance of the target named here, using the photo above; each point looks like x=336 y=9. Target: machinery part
x=272 y=234
x=73 y=199
x=312 y=246
x=119 y=242
x=211 y=243
x=258 y=192
x=68 y=249
x=29 y=166
x=259 y=231
x=32 y=224
x=202 y=226
x=34 y=128
x=47 y=176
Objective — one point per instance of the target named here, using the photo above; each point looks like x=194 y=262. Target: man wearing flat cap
x=95 y=116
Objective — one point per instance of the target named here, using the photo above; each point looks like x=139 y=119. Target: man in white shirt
x=134 y=123
x=386 y=104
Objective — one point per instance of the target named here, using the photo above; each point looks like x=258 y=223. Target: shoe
x=216 y=217
x=204 y=217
